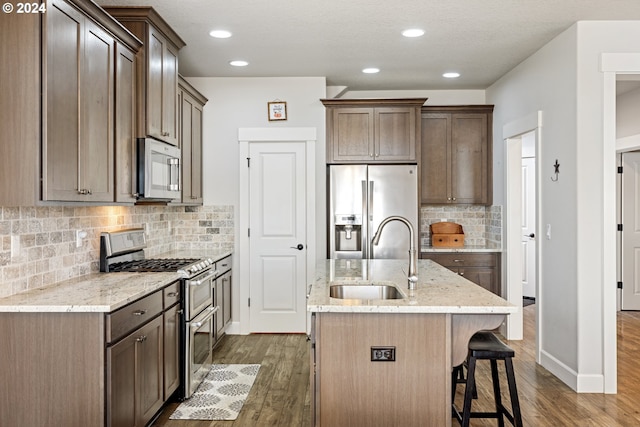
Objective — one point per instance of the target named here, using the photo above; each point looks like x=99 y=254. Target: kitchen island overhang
x=428 y=329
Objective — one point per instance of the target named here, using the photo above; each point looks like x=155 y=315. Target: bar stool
x=486 y=345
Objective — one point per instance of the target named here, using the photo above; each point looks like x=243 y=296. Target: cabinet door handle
x=461 y=273
x=172 y=294
x=139 y=312
x=143 y=338
x=458 y=260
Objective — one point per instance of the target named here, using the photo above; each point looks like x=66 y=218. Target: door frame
x=247 y=136
x=611 y=64
x=512 y=133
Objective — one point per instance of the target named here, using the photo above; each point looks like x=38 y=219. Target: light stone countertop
x=438 y=290
x=99 y=292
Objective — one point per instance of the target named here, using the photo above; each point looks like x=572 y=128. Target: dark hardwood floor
x=280 y=395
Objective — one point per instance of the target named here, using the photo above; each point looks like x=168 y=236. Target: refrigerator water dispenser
x=348 y=229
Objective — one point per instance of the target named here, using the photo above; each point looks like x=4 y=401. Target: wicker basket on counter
x=446 y=235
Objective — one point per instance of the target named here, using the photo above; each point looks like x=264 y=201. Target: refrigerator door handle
x=364 y=235
x=370 y=221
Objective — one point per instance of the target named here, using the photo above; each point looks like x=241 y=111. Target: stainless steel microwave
x=158 y=170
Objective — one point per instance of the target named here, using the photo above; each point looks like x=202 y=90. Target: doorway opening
x=522 y=139
x=628 y=182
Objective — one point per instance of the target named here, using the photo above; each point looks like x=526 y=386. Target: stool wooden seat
x=486 y=345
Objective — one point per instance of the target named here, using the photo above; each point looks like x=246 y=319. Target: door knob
x=299 y=247
x=532 y=235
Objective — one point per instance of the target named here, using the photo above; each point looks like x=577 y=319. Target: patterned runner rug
x=221 y=394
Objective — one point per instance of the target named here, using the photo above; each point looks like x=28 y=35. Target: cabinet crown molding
x=183 y=84
x=104 y=19
x=484 y=108
x=149 y=15
x=378 y=102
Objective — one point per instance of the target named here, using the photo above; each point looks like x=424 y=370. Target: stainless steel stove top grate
x=152 y=265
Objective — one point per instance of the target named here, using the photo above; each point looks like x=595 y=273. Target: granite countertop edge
x=99 y=292
x=438 y=290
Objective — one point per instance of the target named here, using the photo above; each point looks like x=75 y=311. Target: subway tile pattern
x=482 y=225
x=38 y=244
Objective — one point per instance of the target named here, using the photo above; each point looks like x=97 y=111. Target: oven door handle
x=212 y=311
x=201 y=281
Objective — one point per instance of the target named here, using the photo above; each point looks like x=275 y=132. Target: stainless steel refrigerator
x=360 y=197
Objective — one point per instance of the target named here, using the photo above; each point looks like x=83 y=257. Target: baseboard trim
x=559 y=369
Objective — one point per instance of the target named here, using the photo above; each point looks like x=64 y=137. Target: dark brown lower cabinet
x=171 y=350
x=135 y=376
x=482 y=268
x=223 y=286
x=80 y=369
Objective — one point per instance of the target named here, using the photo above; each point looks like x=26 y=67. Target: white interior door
x=529 y=227
x=631 y=231
x=277 y=237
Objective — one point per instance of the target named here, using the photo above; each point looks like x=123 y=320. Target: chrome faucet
x=412 y=277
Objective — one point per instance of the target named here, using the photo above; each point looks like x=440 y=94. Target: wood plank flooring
x=280 y=395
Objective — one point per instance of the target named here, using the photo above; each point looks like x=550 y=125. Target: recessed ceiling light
x=371 y=70
x=239 y=63
x=220 y=34
x=413 y=32
x=452 y=75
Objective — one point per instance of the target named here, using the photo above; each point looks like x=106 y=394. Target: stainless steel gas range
x=123 y=250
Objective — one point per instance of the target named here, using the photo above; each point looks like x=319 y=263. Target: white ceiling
x=481 y=39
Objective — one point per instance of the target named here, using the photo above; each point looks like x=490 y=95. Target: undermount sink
x=364 y=292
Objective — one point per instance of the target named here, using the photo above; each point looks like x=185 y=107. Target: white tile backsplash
x=44 y=238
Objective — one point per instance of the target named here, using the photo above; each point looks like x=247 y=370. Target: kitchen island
x=387 y=362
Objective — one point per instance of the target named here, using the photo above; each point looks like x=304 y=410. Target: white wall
x=546 y=81
x=242 y=102
x=564 y=80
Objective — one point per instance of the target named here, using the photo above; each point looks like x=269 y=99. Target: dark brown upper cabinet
x=373 y=130
x=456 y=155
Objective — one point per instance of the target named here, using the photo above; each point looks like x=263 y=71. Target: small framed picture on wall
x=277 y=110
